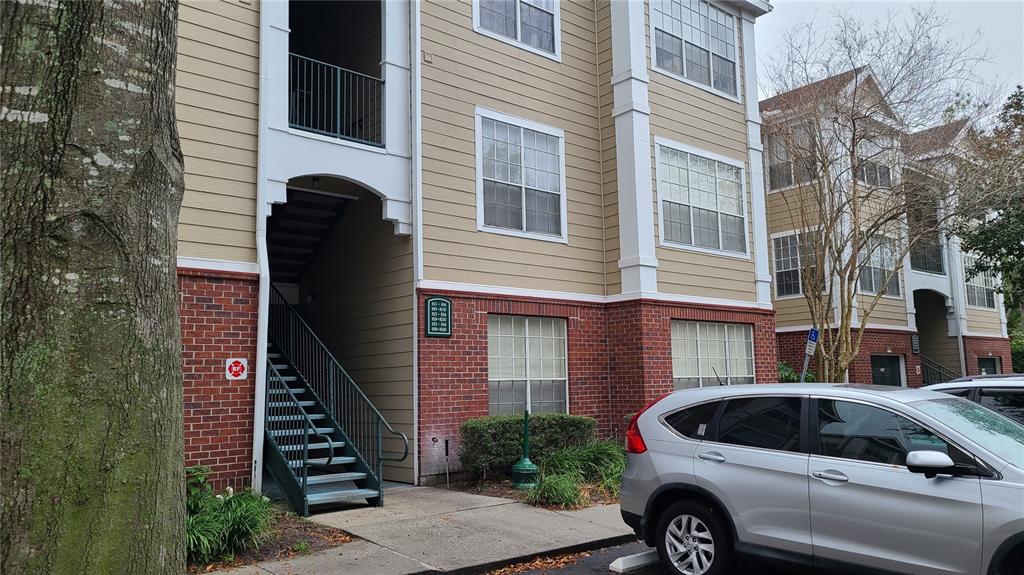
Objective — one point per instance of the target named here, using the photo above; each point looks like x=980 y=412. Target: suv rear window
x=1008 y=401
x=765 y=422
x=693 y=422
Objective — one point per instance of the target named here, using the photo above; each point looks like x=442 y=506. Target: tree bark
x=90 y=372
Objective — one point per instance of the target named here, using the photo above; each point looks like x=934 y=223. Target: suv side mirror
x=930 y=463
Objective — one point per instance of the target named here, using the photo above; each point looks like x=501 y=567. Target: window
x=702 y=202
x=792 y=254
x=866 y=433
x=520 y=167
x=877 y=267
x=533 y=23
x=764 y=422
x=874 y=174
x=711 y=353
x=981 y=287
x=696 y=41
x=791 y=158
x=988 y=365
x=1009 y=402
x=693 y=422
x=526 y=364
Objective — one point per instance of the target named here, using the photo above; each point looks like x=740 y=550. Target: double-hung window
x=530 y=23
x=702 y=201
x=877 y=264
x=520 y=177
x=705 y=353
x=697 y=41
x=791 y=158
x=871 y=167
x=526 y=364
x=981 y=287
x=794 y=260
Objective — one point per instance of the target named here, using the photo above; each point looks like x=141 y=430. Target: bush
x=600 y=463
x=493 y=444
x=1017 y=351
x=789 y=375
x=556 y=490
x=222 y=524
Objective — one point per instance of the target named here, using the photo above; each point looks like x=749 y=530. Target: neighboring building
x=932 y=322
x=574 y=178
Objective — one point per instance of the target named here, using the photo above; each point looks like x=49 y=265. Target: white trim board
x=584 y=298
x=218 y=265
x=878 y=326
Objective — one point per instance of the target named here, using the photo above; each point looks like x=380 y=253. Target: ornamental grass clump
x=222 y=524
x=566 y=472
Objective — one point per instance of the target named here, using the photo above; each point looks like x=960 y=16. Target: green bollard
x=524 y=472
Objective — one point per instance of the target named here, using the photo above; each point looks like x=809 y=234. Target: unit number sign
x=438 y=319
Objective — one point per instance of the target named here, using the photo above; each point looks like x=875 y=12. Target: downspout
x=415 y=63
x=259 y=407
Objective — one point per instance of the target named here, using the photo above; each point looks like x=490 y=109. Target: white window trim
x=652 y=49
x=557 y=56
x=967 y=282
x=482 y=113
x=526 y=334
x=672 y=356
x=660 y=142
x=771 y=247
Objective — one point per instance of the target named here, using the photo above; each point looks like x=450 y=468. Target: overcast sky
x=1001 y=23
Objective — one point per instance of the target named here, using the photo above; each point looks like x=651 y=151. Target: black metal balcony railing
x=926 y=256
x=330 y=100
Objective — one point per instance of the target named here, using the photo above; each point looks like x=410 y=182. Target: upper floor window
x=874 y=174
x=981 y=287
x=705 y=353
x=792 y=254
x=526 y=364
x=533 y=24
x=520 y=167
x=791 y=159
x=696 y=41
x=702 y=202
x=878 y=264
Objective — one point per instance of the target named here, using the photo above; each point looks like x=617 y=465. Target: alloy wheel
x=689 y=544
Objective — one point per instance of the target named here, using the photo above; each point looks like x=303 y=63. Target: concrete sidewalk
x=427 y=530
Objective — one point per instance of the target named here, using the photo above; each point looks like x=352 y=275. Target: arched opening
x=940 y=348
x=340 y=332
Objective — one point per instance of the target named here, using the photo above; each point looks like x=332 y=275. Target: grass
x=565 y=473
x=301 y=547
x=218 y=525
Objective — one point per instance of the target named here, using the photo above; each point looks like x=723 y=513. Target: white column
x=396 y=73
x=637 y=260
x=755 y=153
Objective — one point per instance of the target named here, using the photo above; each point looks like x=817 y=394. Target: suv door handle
x=831 y=475
x=712 y=456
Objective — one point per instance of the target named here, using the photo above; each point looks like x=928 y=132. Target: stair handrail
x=943 y=371
x=352 y=392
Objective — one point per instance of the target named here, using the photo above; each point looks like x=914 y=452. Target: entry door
x=988 y=365
x=868 y=509
x=886 y=370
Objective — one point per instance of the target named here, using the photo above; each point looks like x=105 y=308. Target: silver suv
x=874 y=478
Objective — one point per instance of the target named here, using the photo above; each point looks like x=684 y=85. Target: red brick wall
x=791 y=350
x=975 y=347
x=218 y=320
x=620 y=357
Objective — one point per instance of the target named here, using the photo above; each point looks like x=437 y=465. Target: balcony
x=926 y=256
x=333 y=101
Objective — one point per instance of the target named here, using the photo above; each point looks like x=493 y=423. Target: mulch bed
x=503 y=488
x=542 y=564
x=290 y=536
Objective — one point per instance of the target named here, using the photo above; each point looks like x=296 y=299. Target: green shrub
x=492 y=444
x=222 y=524
x=556 y=490
x=1017 y=351
x=600 y=463
x=789 y=375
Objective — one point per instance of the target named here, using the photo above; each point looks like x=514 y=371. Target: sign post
x=812 y=344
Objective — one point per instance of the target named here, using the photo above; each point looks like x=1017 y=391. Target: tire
x=685 y=523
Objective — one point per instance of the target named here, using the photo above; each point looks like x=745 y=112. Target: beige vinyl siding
x=613 y=277
x=469 y=69
x=936 y=343
x=888 y=311
x=983 y=321
x=793 y=209
x=791 y=312
x=217 y=105
x=364 y=279
x=707 y=121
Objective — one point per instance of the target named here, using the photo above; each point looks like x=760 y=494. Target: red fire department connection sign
x=236 y=368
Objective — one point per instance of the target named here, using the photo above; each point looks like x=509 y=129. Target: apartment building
x=933 y=321
x=401 y=216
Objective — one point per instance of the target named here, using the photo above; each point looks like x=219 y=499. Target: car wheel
x=692 y=540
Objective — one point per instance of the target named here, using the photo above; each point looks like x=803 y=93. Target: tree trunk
x=90 y=372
